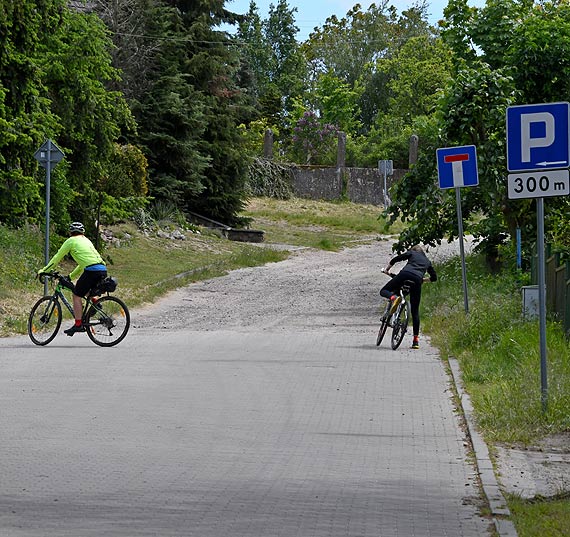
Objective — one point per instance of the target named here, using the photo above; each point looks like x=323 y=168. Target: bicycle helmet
x=76 y=227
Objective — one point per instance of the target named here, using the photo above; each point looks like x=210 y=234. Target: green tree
x=346 y=46
x=417 y=73
x=538 y=54
x=338 y=103
x=275 y=60
x=122 y=190
x=287 y=63
x=506 y=53
x=353 y=48
x=25 y=115
x=255 y=58
x=77 y=65
x=471 y=112
x=211 y=66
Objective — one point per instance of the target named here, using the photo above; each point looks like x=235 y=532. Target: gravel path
x=312 y=289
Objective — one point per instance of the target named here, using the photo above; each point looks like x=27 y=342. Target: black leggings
x=393 y=287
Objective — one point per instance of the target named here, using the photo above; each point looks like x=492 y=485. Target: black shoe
x=74 y=329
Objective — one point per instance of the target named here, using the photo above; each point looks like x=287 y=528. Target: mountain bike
x=397 y=317
x=105 y=318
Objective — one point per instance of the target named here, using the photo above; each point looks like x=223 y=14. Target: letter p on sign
x=530 y=124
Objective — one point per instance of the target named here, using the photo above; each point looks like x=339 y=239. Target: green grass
x=318 y=224
x=499 y=353
x=541 y=517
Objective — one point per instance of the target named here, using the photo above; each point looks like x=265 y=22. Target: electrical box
x=530 y=301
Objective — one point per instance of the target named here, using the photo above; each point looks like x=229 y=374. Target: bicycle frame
x=58 y=295
x=397 y=319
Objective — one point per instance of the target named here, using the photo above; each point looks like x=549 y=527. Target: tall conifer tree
x=188 y=120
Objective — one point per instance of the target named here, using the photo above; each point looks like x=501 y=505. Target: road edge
x=498 y=505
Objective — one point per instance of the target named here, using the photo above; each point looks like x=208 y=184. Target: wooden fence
x=557 y=287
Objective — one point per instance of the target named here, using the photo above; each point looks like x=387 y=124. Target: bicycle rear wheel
x=400 y=325
x=383 y=328
x=107 y=321
x=44 y=320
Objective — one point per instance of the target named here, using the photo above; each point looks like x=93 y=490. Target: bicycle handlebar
x=55 y=275
x=43 y=275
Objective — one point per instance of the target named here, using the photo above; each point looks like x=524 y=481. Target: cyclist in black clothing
x=415 y=270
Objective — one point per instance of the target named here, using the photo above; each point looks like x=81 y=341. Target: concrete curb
x=497 y=503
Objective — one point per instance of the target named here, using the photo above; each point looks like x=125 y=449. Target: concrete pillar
x=341 y=150
x=413 y=156
x=268 y=144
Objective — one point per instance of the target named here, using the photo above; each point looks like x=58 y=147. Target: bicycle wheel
x=401 y=318
x=107 y=321
x=44 y=320
x=383 y=328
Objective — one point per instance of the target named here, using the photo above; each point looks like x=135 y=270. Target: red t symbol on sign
x=456 y=162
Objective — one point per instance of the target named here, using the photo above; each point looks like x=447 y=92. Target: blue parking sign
x=457 y=166
x=537 y=137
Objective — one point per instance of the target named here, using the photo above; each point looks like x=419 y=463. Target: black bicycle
x=105 y=318
x=396 y=315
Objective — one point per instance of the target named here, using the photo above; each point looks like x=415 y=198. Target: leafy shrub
x=270 y=179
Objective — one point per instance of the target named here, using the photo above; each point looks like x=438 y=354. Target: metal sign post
x=461 y=248
x=457 y=167
x=386 y=168
x=542 y=301
x=48 y=155
x=538 y=142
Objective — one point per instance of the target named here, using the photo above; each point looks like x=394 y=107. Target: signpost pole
x=48 y=201
x=46 y=155
x=461 y=248
x=542 y=301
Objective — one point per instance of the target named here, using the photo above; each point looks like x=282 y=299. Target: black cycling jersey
x=417 y=264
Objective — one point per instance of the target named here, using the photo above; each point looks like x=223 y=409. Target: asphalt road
x=253 y=405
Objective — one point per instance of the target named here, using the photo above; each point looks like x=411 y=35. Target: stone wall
x=361 y=185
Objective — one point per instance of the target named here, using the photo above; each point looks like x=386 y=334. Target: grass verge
x=499 y=353
x=541 y=517
x=319 y=224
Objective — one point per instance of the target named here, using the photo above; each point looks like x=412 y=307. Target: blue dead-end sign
x=457 y=166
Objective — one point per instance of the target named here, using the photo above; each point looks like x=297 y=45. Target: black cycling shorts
x=88 y=280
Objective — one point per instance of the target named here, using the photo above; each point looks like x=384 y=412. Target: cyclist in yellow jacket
x=90 y=265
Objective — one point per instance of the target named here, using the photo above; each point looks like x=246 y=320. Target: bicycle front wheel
x=383 y=328
x=400 y=325
x=44 y=320
x=107 y=321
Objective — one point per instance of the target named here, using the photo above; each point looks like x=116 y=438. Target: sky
x=311 y=13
